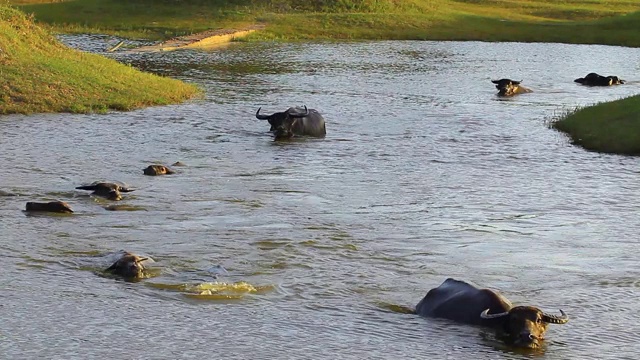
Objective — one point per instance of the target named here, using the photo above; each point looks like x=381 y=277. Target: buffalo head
x=106 y=190
x=508 y=87
x=524 y=326
x=615 y=80
x=129 y=266
x=283 y=123
x=155 y=170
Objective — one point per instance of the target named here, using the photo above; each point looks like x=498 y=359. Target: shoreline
x=202 y=40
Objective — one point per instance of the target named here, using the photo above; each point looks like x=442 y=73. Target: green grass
x=612 y=127
x=38 y=74
x=572 y=21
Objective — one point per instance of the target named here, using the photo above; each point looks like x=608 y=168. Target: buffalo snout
x=527 y=340
x=282 y=133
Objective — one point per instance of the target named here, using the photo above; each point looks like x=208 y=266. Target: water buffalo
x=593 y=79
x=129 y=266
x=52 y=206
x=508 y=87
x=106 y=190
x=154 y=170
x=295 y=121
x=521 y=326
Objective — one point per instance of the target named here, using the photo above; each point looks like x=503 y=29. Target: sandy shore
x=206 y=39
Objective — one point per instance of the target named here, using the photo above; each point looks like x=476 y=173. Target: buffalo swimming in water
x=129 y=266
x=520 y=326
x=52 y=206
x=593 y=79
x=508 y=87
x=106 y=190
x=155 y=170
x=295 y=121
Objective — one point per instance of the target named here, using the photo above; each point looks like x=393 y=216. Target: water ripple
x=424 y=174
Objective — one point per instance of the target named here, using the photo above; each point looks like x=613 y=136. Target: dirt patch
x=205 y=39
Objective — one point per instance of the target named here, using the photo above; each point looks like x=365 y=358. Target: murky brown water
x=303 y=249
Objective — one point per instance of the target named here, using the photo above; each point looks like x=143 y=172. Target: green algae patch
x=215 y=290
x=40 y=74
x=611 y=127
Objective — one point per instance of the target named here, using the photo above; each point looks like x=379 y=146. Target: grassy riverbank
x=612 y=127
x=594 y=21
x=41 y=75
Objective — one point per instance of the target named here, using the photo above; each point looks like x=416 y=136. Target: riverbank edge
x=41 y=75
x=203 y=40
x=609 y=127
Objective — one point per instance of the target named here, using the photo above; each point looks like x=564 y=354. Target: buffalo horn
x=485 y=314
x=262 y=117
x=555 y=319
x=306 y=112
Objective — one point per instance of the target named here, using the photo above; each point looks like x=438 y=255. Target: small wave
x=124 y=207
x=5 y=193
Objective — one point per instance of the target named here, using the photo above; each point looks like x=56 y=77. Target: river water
x=310 y=249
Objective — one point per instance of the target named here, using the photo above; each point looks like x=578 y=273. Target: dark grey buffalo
x=52 y=206
x=295 y=122
x=521 y=326
x=106 y=190
x=156 y=170
x=593 y=79
x=129 y=266
x=508 y=87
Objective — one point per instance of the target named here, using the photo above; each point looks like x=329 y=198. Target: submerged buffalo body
x=508 y=87
x=295 y=122
x=593 y=79
x=522 y=326
x=52 y=206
